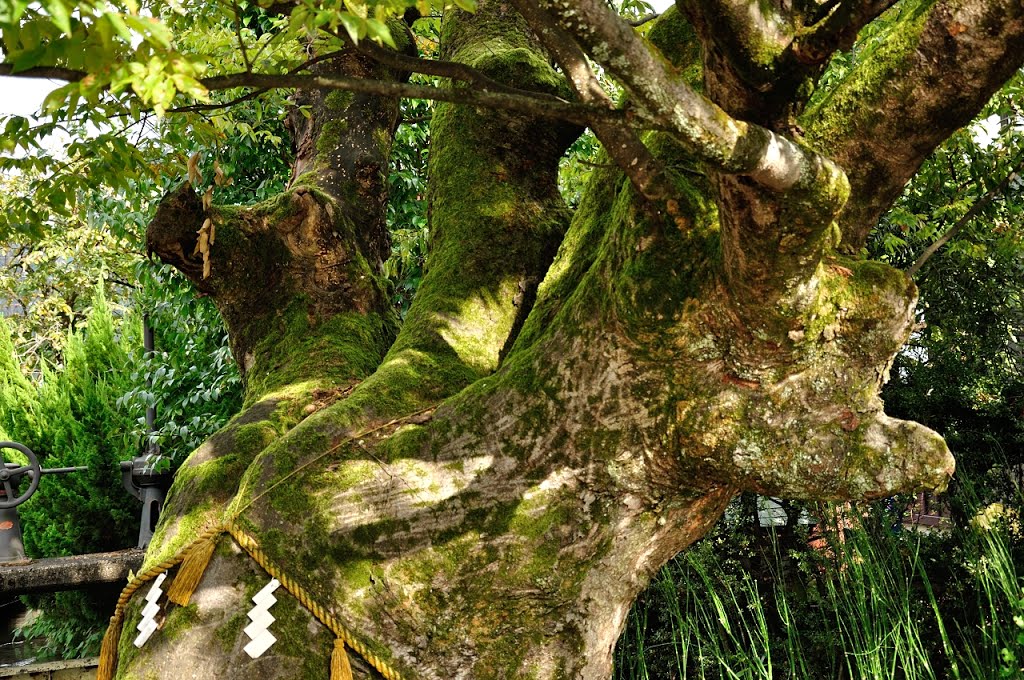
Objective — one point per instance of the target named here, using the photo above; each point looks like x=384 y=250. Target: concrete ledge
x=68 y=573
x=77 y=669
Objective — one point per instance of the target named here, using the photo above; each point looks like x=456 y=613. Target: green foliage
x=633 y=9
x=191 y=378
x=70 y=419
x=575 y=168
x=72 y=624
x=407 y=209
x=46 y=281
x=90 y=411
x=867 y=602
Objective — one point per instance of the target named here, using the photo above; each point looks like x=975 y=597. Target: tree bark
x=485 y=494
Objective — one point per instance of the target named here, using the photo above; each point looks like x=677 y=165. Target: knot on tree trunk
x=173 y=233
x=799 y=415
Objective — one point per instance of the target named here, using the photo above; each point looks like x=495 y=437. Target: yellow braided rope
x=154 y=571
x=251 y=546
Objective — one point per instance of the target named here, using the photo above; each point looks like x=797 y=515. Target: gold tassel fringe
x=340 y=667
x=191 y=571
x=108 y=652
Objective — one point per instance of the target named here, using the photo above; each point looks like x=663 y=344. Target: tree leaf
x=28 y=59
x=59 y=14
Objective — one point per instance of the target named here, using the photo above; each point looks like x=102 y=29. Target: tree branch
x=198 y=108
x=238 y=35
x=519 y=101
x=444 y=69
x=536 y=105
x=836 y=30
x=621 y=143
x=194 y=108
x=49 y=72
x=929 y=75
x=640 y=21
x=974 y=211
x=729 y=145
x=751 y=35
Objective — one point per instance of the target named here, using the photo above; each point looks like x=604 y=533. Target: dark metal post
x=147 y=477
x=148 y=346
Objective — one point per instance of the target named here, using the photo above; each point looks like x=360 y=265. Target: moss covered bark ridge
x=486 y=195
x=343 y=142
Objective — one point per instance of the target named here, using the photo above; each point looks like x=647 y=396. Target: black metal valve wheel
x=12 y=475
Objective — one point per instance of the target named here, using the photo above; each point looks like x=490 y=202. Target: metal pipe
x=150 y=349
x=140 y=476
x=52 y=471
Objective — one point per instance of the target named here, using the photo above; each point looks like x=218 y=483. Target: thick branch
x=837 y=30
x=729 y=145
x=620 y=142
x=762 y=60
x=931 y=74
x=344 y=140
x=486 y=196
x=751 y=35
x=284 y=274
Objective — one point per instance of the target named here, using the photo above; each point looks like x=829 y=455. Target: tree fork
x=297 y=280
x=465 y=316
x=927 y=75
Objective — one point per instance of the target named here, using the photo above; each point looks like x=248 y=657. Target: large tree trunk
x=485 y=495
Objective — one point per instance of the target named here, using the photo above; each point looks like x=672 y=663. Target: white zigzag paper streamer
x=147 y=626
x=258 y=630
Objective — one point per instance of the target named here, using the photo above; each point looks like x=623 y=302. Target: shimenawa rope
x=194 y=558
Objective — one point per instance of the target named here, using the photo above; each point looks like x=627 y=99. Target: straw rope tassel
x=108 y=652
x=191 y=571
x=194 y=559
x=340 y=667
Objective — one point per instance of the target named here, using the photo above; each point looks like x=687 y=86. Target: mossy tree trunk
x=482 y=492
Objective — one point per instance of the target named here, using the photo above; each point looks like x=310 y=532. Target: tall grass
x=874 y=603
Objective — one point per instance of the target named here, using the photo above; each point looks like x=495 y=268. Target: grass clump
x=864 y=598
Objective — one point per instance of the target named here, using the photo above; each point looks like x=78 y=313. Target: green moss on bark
x=322 y=353
x=831 y=112
x=678 y=42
